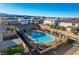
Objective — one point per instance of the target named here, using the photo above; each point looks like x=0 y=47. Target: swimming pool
x=41 y=37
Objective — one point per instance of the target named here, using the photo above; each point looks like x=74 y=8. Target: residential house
x=70 y=23
x=10 y=20
x=51 y=20
x=31 y=20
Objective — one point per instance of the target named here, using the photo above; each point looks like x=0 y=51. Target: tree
x=71 y=41
x=53 y=26
x=62 y=28
x=73 y=30
x=14 y=49
x=11 y=28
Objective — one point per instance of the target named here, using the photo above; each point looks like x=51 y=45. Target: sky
x=41 y=9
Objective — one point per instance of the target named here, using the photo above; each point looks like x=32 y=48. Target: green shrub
x=57 y=41
x=11 y=28
x=57 y=27
x=62 y=28
x=70 y=41
x=73 y=30
x=14 y=49
x=53 y=26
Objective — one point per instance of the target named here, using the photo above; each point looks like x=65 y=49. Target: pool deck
x=54 y=46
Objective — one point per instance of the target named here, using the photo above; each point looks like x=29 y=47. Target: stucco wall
x=68 y=24
x=47 y=22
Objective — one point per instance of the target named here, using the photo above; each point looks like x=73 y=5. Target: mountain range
x=10 y=15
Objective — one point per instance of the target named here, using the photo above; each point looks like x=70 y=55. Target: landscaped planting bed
x=14 y=50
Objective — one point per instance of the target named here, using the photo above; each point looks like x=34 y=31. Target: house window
x=73 y=24
x=52 y=21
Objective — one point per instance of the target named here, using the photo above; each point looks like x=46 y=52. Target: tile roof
x=72 y=20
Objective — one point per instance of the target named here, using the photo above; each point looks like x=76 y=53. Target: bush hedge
x=14 y=49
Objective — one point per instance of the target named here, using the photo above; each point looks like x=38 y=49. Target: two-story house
x=51 y=20
x=70 y=23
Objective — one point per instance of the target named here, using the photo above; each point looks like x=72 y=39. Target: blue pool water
x=41 y=37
